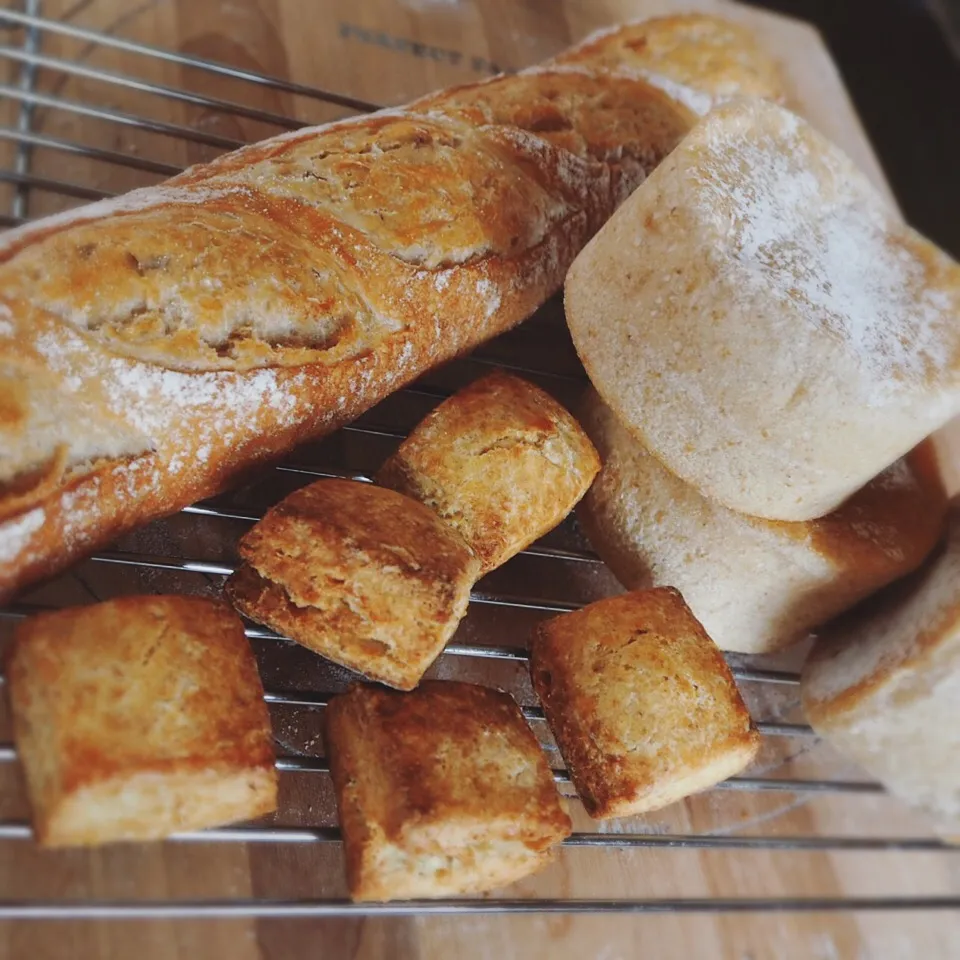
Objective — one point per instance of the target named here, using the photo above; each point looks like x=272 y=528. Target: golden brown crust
x=441 y=791
x=362 y=575
x=715 y=56
x=139 y=717
x=596 y=116
x=501 y=461
x=641 y=702
x=262 y=299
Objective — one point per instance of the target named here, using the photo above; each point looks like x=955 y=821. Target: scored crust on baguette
x=784 y=337
x=362 y=575
x=755 y=585
x=137 y=718
x=688 y=54
x=597 y=117
x=882 y=685
x=641 y=702
x=154 y=346
x=501 y=461
x=442 y=791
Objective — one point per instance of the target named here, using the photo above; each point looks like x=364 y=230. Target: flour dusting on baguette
x=699 y=103
x=182 y=333
x=18 y=533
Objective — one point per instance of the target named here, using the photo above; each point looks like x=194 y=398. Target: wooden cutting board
x=388 y=51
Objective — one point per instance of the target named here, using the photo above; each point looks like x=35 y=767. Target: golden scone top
x=501 y=461
x=440 y=791
x=641 y=702
x=139 y=717
x=344 y=522
x=363 y=575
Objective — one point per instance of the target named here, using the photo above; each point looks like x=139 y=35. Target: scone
x=138 y=718
x=441 y=791
x=883 y=685
x=501 y=462
x=700 y=59
x=641 y=702
x=755 y=585
x=364 y=576
x=763 y=322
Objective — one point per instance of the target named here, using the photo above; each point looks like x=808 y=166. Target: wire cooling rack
x=194 y=551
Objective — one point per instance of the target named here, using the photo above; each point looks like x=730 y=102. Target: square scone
x=442 y=791
x=361 y=575
x=137 y=718
x=641 y=702
x=501 y=461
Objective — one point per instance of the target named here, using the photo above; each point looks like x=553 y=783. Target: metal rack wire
x=27 y=58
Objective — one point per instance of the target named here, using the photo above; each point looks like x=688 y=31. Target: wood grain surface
x=388 y=51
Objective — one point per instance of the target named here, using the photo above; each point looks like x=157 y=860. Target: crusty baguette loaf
x=763 y=321
x=756 y=585
x=154 y=345
x=643 y=705
x=365 y=576
x=500 y=461
x=883 y=685
x=695 y=57
x=441 y=791
x=137 y=718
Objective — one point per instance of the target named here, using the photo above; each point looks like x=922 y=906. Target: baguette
x=697 y=58
x=155 y=345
